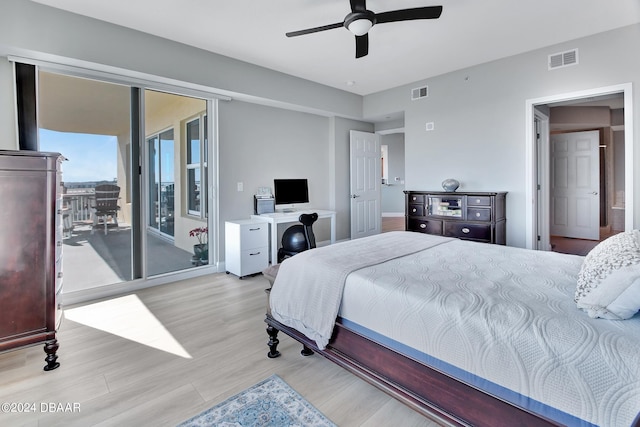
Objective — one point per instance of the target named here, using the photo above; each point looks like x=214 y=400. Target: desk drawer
x=254 y=235
x=254 y=260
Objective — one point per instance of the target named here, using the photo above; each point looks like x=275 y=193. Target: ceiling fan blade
x=358 y=5
x=315 y=29
x=362 y=45
x=429 y=12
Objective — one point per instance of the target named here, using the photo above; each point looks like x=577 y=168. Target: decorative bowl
x=450 y=184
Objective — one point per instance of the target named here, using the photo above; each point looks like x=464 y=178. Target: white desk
x=287 y=217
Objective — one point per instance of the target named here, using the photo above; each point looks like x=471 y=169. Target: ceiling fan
x=360 y=21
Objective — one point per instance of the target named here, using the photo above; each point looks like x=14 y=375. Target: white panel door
x=575 y=183
x=366 y=218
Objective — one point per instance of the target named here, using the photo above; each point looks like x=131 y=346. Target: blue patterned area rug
x=269 y=403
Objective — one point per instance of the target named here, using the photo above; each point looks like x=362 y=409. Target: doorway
x=576 y=181
x=365 y=181
x=605 y=110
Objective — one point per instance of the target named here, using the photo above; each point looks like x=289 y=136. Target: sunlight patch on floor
x=129 y=318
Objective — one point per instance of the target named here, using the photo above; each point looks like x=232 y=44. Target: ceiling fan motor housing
x=353 y=24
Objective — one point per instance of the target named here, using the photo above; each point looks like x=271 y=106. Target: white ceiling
x=469 y=32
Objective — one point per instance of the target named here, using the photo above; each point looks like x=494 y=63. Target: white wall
x=258 y=144
x=479 y=117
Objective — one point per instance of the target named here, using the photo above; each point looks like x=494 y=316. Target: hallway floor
x=582 y=247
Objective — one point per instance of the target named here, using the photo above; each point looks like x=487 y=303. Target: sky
x=90 y=157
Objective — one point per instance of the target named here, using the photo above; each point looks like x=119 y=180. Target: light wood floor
x=392 y=223
x=218 y=321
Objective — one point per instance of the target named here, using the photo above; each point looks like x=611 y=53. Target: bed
x=471 y=333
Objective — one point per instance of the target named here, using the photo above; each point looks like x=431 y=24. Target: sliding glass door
x=88 y=122
x=176 y=190
x=151 y=145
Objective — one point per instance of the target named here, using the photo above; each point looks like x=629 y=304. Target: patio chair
x=106 y=205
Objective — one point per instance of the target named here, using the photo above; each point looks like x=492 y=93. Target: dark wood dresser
x=30 y=251
x=478 y=216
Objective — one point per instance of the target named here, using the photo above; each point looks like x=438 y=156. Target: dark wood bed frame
x=422 y=387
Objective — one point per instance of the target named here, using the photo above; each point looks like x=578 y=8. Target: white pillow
x=617 y=297
x=609 y=280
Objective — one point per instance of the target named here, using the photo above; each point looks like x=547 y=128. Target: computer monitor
x=289 y=192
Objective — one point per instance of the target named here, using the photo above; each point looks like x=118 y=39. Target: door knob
x=595 y=193
x=353 y=196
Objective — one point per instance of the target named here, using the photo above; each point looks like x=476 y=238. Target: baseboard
x=111 y=290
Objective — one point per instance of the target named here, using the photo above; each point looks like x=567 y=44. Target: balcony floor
x=92 y=260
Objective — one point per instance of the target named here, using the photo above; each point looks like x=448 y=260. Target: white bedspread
x=307 y=291
x=506 y=315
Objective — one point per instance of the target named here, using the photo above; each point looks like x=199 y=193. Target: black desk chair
x=299 y=237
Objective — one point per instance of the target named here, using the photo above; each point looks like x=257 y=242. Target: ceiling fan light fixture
x=360 y=21
x=360 y=27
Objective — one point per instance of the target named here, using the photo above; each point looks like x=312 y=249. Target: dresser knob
x=465 y=230
x=477 y=214
x=423 y=225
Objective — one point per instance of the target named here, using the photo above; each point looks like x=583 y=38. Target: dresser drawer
x=425 y=226
x=478 y=200
x=416 y=198
x=415 y=210
x=479 y=214
x=468 y=231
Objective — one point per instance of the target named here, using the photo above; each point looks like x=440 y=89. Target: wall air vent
x=563 y=59
x=419 y=92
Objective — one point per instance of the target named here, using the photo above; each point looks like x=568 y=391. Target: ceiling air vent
x=419 y=92
x=563 y=59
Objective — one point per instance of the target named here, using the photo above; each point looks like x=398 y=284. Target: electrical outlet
x=430 y=126
x=240 y=186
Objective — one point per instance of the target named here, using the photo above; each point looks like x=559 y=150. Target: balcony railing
x=78 y=205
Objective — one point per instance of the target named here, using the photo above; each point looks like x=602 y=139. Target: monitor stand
x=288 y=210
